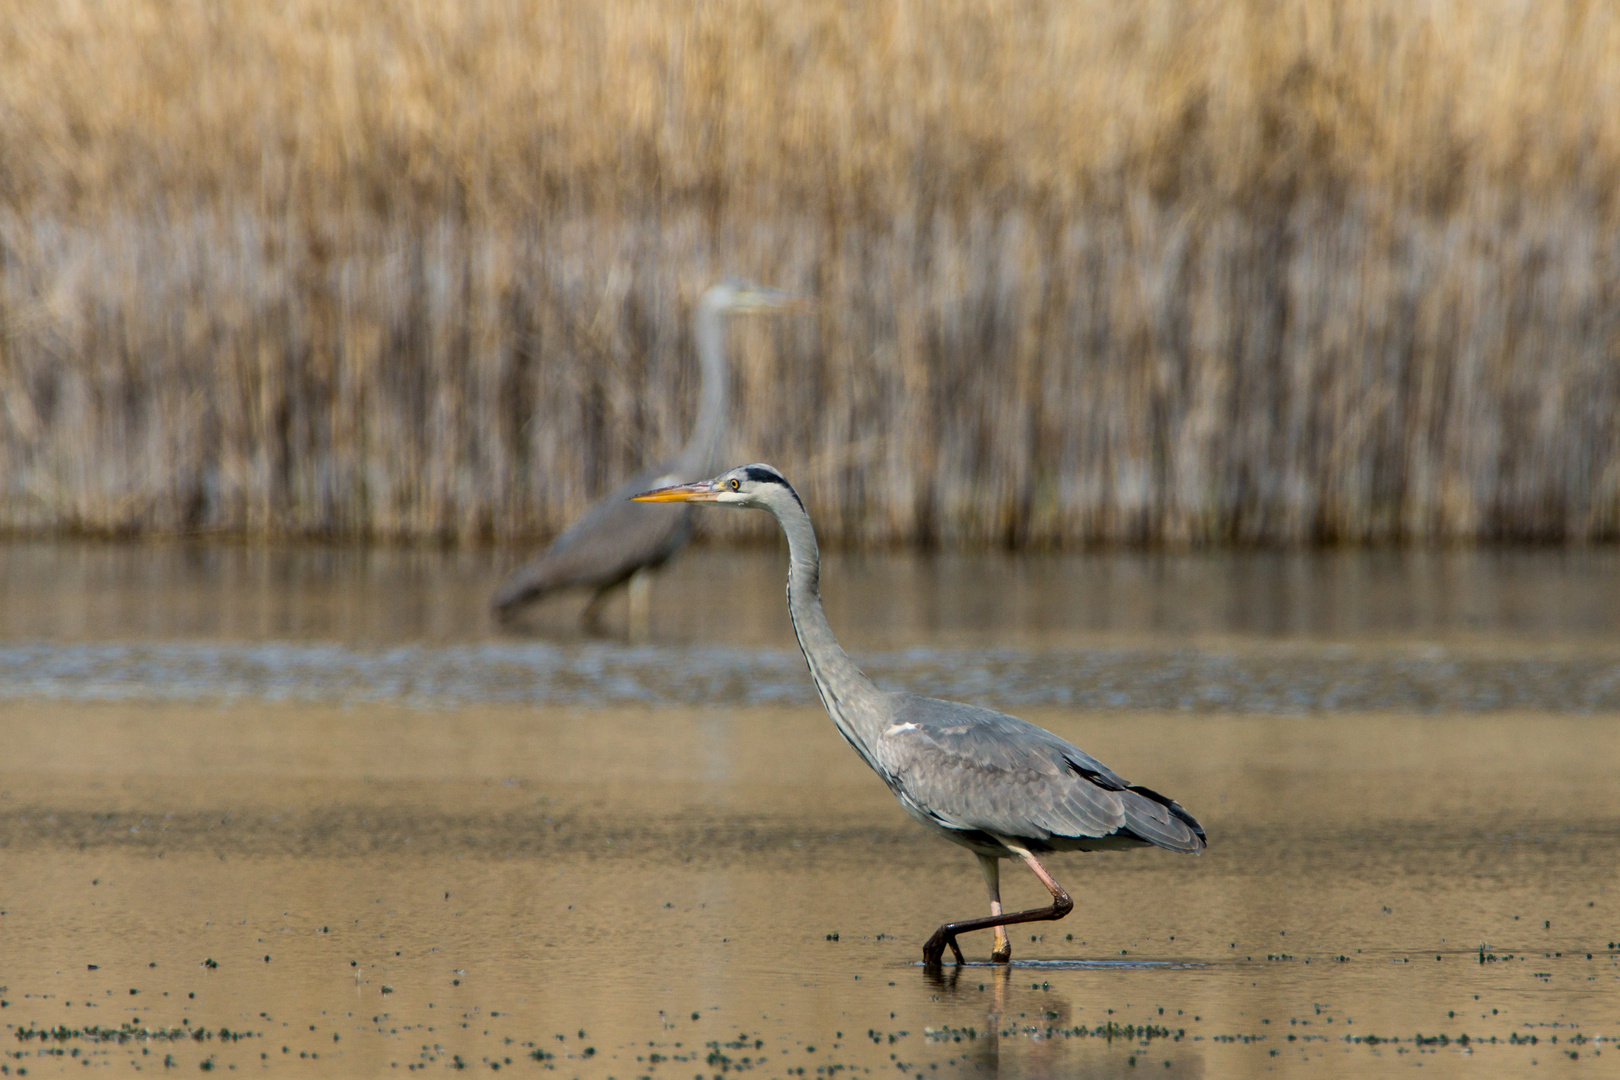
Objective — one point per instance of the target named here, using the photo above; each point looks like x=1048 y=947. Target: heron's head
x=745 y=486
x=737 y=297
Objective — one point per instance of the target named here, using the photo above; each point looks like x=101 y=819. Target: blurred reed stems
x=1256 y=272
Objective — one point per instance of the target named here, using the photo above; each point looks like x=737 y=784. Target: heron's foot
x=934 y=950
x=1002 y=953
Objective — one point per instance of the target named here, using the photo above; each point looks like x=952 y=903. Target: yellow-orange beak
x=701 y=491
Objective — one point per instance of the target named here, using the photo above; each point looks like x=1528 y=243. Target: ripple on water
x=1324 y=679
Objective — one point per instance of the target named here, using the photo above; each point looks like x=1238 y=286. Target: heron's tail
x=1161 y=821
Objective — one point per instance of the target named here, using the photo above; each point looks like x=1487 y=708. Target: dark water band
x=1326 y=680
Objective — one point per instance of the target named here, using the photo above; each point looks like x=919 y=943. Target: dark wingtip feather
x=1168 y=826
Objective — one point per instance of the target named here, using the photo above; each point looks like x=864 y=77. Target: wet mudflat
x=680 y=891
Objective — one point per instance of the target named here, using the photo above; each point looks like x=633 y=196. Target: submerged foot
x=1002 y=953
x=934 y=950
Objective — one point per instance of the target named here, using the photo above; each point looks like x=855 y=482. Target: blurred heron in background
x=617 y=541
x=999 y=786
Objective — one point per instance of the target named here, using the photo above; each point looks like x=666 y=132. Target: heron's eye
x=736 y=485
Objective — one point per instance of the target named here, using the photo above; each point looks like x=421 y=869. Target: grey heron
x=997 y=785
x=614 y=541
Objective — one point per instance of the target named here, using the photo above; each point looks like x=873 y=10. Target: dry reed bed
x=1159 y=272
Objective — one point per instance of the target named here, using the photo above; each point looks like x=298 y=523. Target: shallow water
x=77 y=592
x=387 y=887
x=1440 y=632
x=359 y=857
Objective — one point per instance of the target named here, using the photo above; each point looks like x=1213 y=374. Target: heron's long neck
x=709 y=335
x=845 y=691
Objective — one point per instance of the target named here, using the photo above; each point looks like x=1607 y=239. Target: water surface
x=1458 y=631
x=382 y=596
x=311 y=811
x=684 y=892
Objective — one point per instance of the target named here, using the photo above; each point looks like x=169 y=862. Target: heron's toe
x=934 y=950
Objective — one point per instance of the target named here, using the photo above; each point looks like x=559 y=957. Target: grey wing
x=973 y=769
x=614 y=539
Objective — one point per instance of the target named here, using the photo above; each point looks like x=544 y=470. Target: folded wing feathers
x=602 y=548
x=975 y=769
x=1156 y=818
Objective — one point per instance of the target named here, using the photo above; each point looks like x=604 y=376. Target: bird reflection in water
x=1025 y=1019
x=1008 y=1009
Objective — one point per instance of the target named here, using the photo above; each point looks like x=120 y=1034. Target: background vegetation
x=1178 y=272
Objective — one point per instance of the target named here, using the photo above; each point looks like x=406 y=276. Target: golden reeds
x=1165 y=272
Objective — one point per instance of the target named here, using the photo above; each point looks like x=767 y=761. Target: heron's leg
x=640 y=604
x=934 y=950
x=991 y=869
x=590 y=618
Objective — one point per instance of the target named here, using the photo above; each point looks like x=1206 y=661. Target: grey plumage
x=981 y=772
x=615 y=538
x=993 y=783
x=610 y=542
